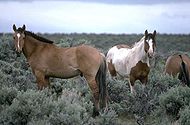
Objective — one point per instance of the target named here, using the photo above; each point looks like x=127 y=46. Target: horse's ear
x=14 y=27
x=23 y=27
x=154 y=33
x=146 y=33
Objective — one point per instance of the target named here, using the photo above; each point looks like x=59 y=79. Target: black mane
x=38 y=37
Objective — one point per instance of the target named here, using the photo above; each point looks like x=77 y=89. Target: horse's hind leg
x=95 y=92
x=111 y=69
x=42 y=81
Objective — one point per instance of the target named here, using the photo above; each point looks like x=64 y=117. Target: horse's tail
x=184 y=73
x=101 y=80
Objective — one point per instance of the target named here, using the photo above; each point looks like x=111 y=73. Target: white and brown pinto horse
x=179 y=65
x=132 y=63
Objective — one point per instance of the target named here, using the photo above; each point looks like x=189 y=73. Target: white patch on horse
x=124 y=59
x=150 y=51
x=111 y=53
x=18 y=35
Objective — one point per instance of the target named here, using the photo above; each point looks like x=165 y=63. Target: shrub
x=16 y=77
x=7 y=48
x=184 y=116
x=69 y=42
x=171 y=102
x=7 y=95
x=33 y=107
x=23 y=107
x=107 y=118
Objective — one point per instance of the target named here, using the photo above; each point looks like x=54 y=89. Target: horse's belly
x=122 y=70
x=64 y=73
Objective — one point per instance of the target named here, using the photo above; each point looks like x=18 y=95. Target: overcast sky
x=96 y=16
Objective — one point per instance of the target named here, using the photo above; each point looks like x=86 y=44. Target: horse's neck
x=30 y=44
x=139 y=53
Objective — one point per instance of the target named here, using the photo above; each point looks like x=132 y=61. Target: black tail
x=101 y=80
x=184 y=73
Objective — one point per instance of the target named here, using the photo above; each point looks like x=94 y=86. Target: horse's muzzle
x=150 y=55
x=18 y=50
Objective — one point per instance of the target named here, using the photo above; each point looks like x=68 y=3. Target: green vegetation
x=69 y=102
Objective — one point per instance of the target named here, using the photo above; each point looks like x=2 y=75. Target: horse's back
x=118 y=51
x=88 y=52
x=122 y=46
x=172 y=66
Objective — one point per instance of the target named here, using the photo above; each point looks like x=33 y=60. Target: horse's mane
x=137 y=43
x=42 y=39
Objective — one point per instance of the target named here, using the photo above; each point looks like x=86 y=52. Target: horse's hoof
x=95 y=113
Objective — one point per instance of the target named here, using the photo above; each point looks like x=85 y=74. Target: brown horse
x=132 y=62
x=48 y=60
x=179 y=64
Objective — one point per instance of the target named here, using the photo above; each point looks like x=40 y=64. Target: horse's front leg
x=131 y=84
x=42 y=81
x=144 y=81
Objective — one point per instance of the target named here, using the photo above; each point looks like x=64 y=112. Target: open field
x=164 y=101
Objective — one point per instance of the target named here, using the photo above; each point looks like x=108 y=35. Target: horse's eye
x=13 y=37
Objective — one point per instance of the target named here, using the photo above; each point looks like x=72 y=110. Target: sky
x=96 y=16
